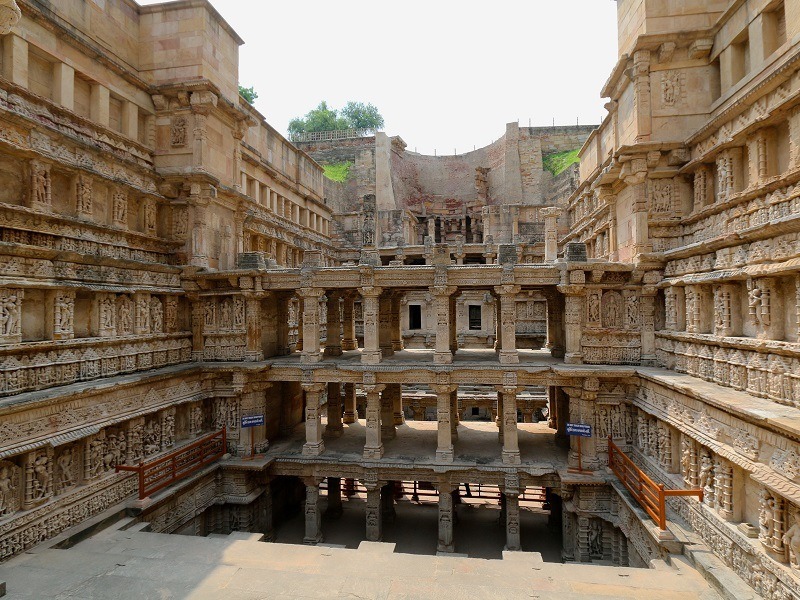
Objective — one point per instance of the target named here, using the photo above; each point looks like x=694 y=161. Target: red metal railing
x=650 y=495
x=166 y=470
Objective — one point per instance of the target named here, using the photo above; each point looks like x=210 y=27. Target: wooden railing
x=650 y=495
x=180 y=463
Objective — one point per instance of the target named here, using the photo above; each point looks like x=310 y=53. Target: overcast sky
x=446 y=75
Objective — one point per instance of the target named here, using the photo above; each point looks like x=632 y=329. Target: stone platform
x=477 y=445
x=133 y=565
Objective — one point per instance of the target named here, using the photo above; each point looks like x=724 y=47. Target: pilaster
x=373 y=448
x=313 y=517
x=444 y=445
x=441 y=303
x=311 y=337
x=508 y=323
x=371 y=354
x=314 y=445
x=445 y=543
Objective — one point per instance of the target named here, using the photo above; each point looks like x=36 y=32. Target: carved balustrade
x=40 y=365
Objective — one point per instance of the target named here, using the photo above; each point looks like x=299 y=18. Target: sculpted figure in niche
x=9 y=313
x=596 y=539
x=178 y=132
x=758 y=303
x=124 y=316
x=150 y=216
x=96 y=452
x=792 y=538
x=120 y=208
x=41 y=184
x=612 y=310
x=84 y=195
x=593 y=310
x=41 y=476
x=225 y=314
x=107 y=313
x=156 y=315
x=8 y=491
x=64 y=463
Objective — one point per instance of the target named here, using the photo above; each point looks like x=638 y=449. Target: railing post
x=662 y=508
x=141 y=480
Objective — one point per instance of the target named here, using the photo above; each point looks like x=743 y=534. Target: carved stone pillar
x=512 y=520
x=333 y=343
x=349 y=341
x=373 y=510
x=387 y=411
x=511 y=454
x=508 y=323
x=394 y=323
x=254 y=350
x=573 y=312
x=445 y=543
x=11 y=310
x=334 y=509
x=641 y=94
x=299 y=325
x=64 y=315
x=454 y=420
x=311 y=343
x=373 y=448
x=645 y=315
x=555 y=325
x=198 y=319
x=397 y=407
x=314 y=445
x=371 y=354
x=385 y=325
x=441 y=303
x=334 y=426
x=550 y=216
x=444 y=445
x=723 y=483
x=349 y=403
x=312 y=513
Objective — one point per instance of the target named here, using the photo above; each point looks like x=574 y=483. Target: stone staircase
x=126 y=561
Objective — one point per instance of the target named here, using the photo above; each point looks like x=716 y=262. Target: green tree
x=362 y=116
x=248 y=94
x=321 y=118
x=355 y=115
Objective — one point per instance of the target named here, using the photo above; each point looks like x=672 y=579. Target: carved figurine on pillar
x=314 y=445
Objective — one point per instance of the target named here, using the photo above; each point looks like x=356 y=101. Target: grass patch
x=560 y=161
x=338 y=171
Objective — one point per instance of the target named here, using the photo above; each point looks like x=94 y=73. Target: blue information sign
x=579 y=429
x=253 y=421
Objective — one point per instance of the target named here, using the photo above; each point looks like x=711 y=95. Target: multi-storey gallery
x=200 y=334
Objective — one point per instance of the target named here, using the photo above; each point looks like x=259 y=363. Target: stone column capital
x=509 y=389
x=441 y=389
x=507 y=289
x=370 y=291
x=442 y=290
x=313 y=388
x=310 y=293
x=374 y=388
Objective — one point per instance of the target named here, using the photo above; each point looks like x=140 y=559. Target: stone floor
x=465 y=356
x=131 y=565
x=477 y=444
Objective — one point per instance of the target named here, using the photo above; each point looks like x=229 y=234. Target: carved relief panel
x=10 y=488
